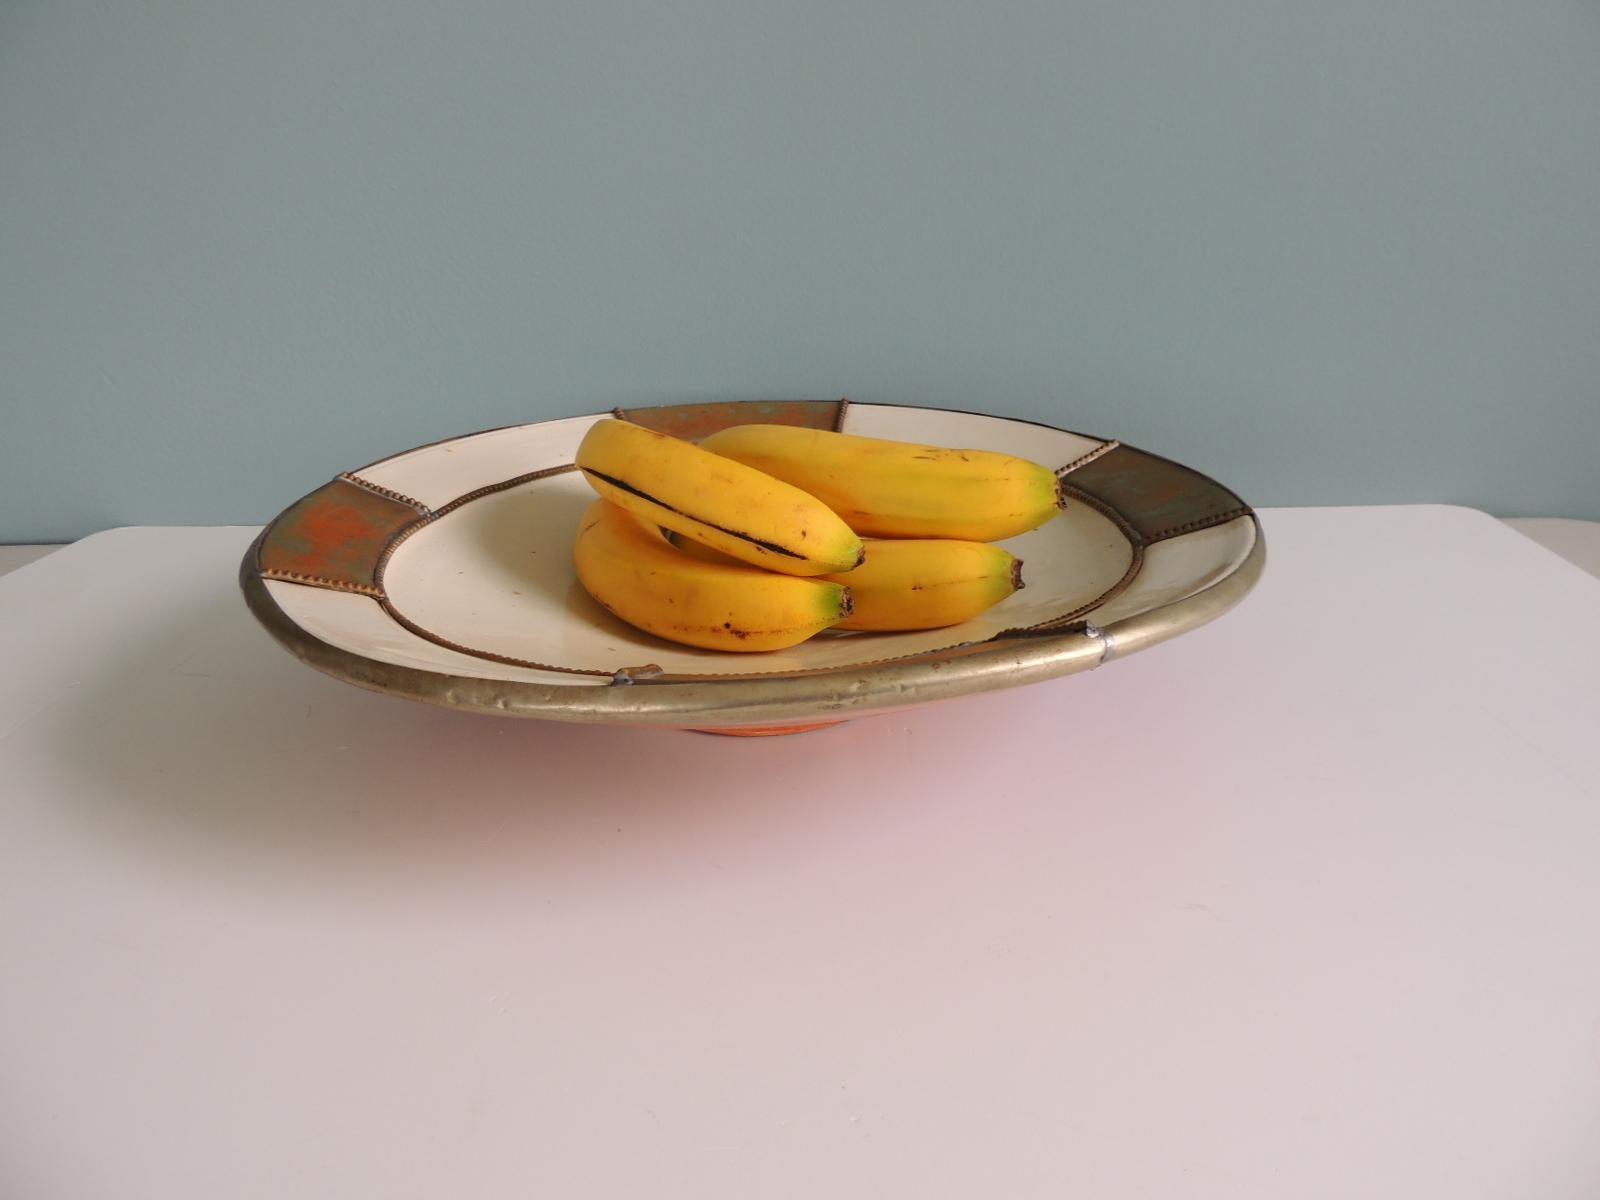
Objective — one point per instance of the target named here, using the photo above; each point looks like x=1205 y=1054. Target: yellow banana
x=928 y=583
x=916 y=583
x=712 y=499
x=637 y=575
x=898 y=489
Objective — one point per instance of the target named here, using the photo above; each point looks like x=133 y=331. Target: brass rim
x=1011 y=660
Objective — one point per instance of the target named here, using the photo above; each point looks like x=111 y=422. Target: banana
x=898 y=489
x=928 y=584
x=634 y=573
x=712 y=499
x=916 y=583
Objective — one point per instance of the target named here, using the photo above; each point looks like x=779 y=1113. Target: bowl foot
x=768 y=730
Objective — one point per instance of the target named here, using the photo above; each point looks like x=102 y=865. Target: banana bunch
x=752 y=541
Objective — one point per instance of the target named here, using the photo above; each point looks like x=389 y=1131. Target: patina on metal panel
x=335 y=536
x=1154 y=496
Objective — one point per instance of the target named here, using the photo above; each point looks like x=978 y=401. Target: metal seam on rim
x=1107 y=640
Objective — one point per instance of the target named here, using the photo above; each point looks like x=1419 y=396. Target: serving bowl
x=444 y=574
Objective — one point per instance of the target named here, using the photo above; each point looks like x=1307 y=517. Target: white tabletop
x=1304 y=904
x=13 y=558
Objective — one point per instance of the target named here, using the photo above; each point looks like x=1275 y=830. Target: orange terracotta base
x=769 y=730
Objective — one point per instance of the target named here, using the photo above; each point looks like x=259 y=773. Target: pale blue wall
x=1331 y=252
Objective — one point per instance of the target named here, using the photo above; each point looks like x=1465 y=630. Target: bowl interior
x=496 y=576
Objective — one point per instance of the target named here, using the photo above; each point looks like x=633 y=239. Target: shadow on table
x=209 y=745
